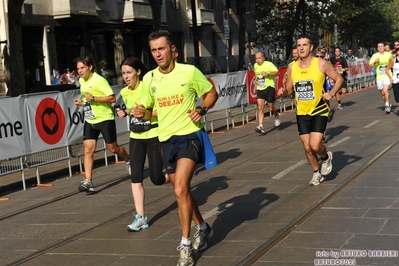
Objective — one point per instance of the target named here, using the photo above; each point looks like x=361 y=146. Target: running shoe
x=326 y=166
x=186 y=257
x=316 y=179
x=201 y=238
x=277 y=120
x=339 y=107
x=86 y=186
x=260 y=129
x=128 y=169
x=330 y=115
x=388 y=108
x=139 y=223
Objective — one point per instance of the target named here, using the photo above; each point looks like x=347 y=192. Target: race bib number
x=304 y=90
x=261 y=81
x=382 y=69
x=87 y=111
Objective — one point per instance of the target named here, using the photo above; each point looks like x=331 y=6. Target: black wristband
x=203 y=110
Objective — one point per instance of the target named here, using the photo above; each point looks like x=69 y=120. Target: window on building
x=248 y=6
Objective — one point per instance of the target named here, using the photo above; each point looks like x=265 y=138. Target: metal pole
x=227 y=55
x=195 y=36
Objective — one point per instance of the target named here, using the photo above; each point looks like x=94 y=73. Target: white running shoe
x=316 y=179
x=326 y=166
x=260 y=129
x=277 y=121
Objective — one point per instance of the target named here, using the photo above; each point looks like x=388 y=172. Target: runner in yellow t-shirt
x=380 y=61
x=96 y=98
x=265 y=72
x=172 y=89
x=141 y=143
x=306 y=76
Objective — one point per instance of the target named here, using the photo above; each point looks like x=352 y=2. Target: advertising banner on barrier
x=14 y=129
x=74 y=116
x=47 y=121
x=231 y=88
x=359 y=68
x=251 y=85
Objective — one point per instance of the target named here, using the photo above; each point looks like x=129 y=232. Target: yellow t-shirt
x=131 y=97
x=96 y=112
x=172 y=95
x=268 y=81
x=382 y=64
x=308 y=86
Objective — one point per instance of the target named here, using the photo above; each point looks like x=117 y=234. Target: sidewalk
x=258 y=190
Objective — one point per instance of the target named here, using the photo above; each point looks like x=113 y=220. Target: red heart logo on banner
x=50 y=120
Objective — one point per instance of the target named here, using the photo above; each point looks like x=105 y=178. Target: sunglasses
x=319 y=56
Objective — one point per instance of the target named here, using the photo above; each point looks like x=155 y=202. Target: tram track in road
x=254 y=256
x=119 y=179
x=250 y=259
x=125 y=214
x=246 y=261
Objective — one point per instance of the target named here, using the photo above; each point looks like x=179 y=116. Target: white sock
x=185 y=241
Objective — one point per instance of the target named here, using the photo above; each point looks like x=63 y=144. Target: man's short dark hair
x=305 y=36
x=86 y=60
x=161 y=33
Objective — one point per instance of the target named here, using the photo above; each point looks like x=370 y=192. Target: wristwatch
x=203 y=110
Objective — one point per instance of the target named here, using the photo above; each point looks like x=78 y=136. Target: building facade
x=57 y=31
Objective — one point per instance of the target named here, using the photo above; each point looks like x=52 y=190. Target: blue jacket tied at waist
x=181 y=142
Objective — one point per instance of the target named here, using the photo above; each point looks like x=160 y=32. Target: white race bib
x=261 y=81
x=304 y=90
x=88 y=111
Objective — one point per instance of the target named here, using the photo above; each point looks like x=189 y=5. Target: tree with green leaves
x=279 y=22
x=361 y=21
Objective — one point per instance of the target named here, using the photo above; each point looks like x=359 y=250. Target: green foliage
x=369 y=20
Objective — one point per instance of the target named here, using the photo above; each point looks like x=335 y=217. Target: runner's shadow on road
x=282 y=126
x=225 y=155
x=221 y=158
x=201 y=192
x=109 y=185
x=348 y=103
x=340 y=161
x=238 y=210
x=332 y=132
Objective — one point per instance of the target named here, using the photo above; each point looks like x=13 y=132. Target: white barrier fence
x=43 y=128
x=360 y=74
